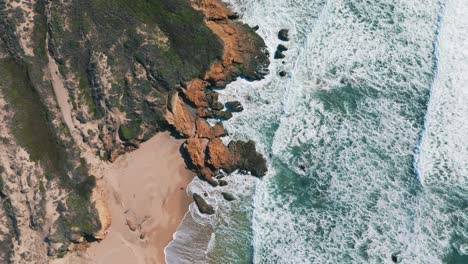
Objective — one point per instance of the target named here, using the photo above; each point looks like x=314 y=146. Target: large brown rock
x=181 y=117
x=217 y=154
x=195 y=93
x=205 y=130
x=243 y=55
x=244 y=51
x=195 y=150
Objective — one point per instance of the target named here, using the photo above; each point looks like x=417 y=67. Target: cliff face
x=91 y=79
x=244 y=55
x=122 y=60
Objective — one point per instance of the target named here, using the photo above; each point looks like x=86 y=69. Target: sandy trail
x=147 y=201
x=61 y=93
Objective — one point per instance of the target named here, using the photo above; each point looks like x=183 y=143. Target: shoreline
x=157 y=172
x=146 y=199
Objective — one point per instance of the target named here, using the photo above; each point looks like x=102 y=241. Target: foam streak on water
x=341 y=133
x=443 y=161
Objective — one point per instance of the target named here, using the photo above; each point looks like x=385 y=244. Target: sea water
x=366 y=139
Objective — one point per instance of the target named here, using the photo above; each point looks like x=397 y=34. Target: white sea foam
x=442 y=220
x=340 y=133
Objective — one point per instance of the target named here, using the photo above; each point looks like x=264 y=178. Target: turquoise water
x=366 y=140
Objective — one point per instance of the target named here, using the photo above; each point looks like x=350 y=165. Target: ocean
x=366 y=139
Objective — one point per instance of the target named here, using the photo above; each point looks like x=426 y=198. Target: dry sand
x=147 y=201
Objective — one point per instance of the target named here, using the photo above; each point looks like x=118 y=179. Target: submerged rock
x=283 y=35
x=202 y=205
x=228 y=197
x=234 y=106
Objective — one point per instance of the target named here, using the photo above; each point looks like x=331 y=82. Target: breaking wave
x=367 y=92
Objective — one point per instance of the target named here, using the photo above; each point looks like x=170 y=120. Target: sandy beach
x=147 y=200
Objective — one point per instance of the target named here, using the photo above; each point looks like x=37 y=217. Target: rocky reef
x=86 y=81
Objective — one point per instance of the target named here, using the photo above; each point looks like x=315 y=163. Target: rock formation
x=283 y=35
x=243 y=56
x=228 y=197
x=234 y=106
x=202 y=205
x=90 y=80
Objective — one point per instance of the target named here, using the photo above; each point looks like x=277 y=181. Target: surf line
x=435 y=71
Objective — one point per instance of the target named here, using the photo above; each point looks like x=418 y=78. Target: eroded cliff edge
x=131 y=69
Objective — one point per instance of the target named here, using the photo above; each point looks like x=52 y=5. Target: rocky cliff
x=89 y=80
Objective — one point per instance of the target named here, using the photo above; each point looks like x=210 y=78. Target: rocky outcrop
x=283 y=35
x=279 y=52
x=228 y=197
x=243 y=156
x=218 y=155
x=234 y=106
x=243 y=56
x=244 y=51
x=202 y=205
x=180 y=116
x=129 y=71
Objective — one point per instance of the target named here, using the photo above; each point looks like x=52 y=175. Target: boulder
x=225 y=115
x=212 y=182
x=217 y=154
x=282 y=73
x=195 y=93
x=228 y=197
x=219 y=131
x=279 y=51
x=205 y=130
x=234 y=106
x=202 y=205
x=234 y=16
x=222 y=183
x=281 y=48
x=195 y=151
x=180 y=116
x=279 y=55
x=283 y=35
x=212 y=97
x=217 y=106
x=205 y=113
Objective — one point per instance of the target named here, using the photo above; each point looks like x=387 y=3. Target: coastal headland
x=109 y=108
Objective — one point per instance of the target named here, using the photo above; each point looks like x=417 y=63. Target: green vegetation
x=121 y=30
x=151 y=47
x=129 y=131
x=30 y=122
x=38 y=38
